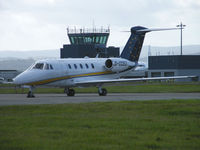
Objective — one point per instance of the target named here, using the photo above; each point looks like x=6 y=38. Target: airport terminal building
x=175 y=65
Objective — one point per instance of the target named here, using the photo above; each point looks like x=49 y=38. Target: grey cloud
x=63 y=13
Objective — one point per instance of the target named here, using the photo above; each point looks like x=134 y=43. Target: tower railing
x=87 y=30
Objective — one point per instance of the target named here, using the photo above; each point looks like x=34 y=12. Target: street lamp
x=181 y=27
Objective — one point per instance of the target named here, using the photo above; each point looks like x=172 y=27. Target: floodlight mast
x=181 y=28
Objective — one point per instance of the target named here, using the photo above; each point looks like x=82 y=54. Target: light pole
x=181 y=27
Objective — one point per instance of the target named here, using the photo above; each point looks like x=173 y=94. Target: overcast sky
x=41 y=24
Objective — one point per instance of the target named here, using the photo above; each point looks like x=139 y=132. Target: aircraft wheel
x=71 y=92
x=30 y=94
x=102 y=92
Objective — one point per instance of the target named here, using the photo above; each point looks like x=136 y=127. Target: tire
x=71 y=92
x=103 y=92
x=30 y=95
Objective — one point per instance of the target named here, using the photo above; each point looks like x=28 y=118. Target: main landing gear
x=30 y=93
x=102 y=92
x=69 y=92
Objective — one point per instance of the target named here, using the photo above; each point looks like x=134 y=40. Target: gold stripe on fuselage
x=68 y=77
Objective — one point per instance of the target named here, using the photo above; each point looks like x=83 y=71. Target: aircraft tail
x=133 y=47
x=134 y=44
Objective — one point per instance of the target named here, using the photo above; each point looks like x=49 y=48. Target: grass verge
x=172 y=124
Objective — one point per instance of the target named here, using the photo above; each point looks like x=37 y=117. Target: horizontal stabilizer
x=156 y=29
x=153 y=29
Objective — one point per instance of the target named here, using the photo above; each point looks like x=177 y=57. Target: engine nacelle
x=118 y=64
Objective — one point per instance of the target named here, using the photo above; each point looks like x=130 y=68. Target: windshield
x=38 y=66
x=48 y=67
x=42 y=66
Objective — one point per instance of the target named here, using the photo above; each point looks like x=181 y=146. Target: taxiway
x=21 y=99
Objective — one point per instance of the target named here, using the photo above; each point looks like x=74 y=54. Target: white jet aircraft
x=84 y=72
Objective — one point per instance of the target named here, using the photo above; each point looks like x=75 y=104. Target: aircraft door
x=66 y=74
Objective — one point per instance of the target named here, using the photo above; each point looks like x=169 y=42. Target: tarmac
x=21 y=99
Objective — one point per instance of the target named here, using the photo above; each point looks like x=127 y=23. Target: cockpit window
x=42 y=66
x=51 y=67
x=38 y=66
x=47 y=67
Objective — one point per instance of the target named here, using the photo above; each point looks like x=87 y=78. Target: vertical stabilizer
x=133 y=47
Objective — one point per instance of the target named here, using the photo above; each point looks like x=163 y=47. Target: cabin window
x=92 y=66
x=69 y=66
x=87 y=66
x=81 y=66
x=75 y=66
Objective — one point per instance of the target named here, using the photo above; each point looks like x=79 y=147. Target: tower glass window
x=88 y=38
x=104 y=39
x=97 y=39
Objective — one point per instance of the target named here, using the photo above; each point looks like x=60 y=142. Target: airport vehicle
x=84 y=72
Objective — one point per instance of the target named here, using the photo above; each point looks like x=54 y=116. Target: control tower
x=88 y=42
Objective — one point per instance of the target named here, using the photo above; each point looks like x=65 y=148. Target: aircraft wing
x=6 y=82
x=130 y=80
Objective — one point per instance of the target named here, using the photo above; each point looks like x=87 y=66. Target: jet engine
x=118 y=64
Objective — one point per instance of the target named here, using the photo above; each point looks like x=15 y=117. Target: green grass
x=145 y=88
x=173 y=124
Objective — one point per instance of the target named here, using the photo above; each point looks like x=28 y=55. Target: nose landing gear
x=30 y=93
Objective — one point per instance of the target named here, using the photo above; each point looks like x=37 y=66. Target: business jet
x=83 y=72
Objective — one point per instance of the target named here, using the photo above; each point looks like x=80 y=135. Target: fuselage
x=66 y=72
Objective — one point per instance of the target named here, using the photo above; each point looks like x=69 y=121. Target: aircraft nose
x=26 y=77
x=20 y=79
x=17 y=80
